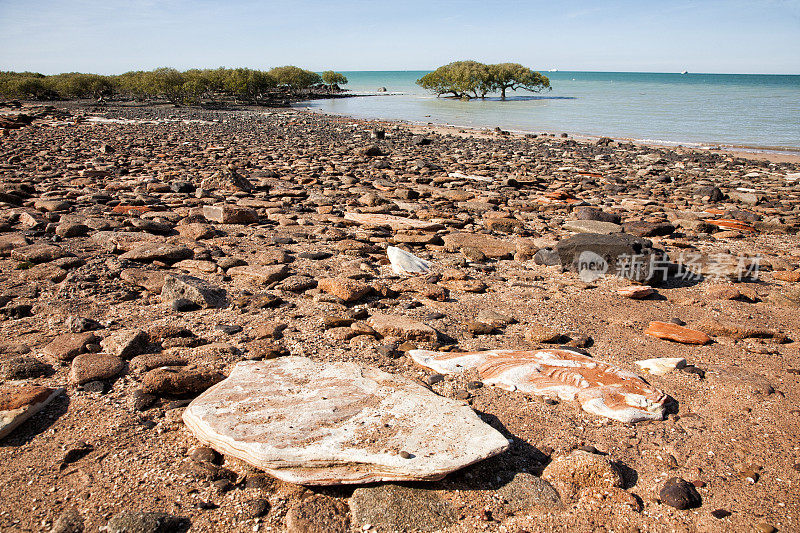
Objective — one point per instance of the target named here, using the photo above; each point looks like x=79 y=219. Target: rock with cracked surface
x=601 y=388
x=316 y=423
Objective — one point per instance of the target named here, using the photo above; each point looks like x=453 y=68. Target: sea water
x=732 y=110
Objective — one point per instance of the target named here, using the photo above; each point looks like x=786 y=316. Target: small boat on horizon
x=685 y=72
x=553 y=70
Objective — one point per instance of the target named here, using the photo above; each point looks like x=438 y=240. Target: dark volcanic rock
x=592 y=213
x=144 y=522
x=617 y=254
x=25 y=367
x=642 y=228
x=679 y=493
x=179 y=382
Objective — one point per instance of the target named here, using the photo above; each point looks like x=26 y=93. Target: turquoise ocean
x=751 y=111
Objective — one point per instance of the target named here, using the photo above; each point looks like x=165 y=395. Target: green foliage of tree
x=78 y=85
x=460 y=78
x=167 y=82
x=190 y=86
x=34 y=88
x=248 y=84
x=331 y=78
x=514 y=76
x=465 y=79
x=294 y=78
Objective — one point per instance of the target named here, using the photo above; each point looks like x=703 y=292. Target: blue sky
x=113 y=36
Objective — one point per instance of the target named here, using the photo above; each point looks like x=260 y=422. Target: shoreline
x=771 y=154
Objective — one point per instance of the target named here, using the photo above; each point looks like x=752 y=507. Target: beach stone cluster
x=155 y=262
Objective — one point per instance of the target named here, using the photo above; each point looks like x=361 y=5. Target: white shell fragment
x=599 y=387
x=315 y=423
x=404 y=263
x=661 y=365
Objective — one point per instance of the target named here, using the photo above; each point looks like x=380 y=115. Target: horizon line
x=544 y=71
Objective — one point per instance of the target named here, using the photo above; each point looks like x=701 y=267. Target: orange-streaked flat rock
x=731 y=224
x=394 y=222
x=314 y=423
x=19 y=403
x=676 y=333
x=601 y=388
x=126 y=209
x=636 y=292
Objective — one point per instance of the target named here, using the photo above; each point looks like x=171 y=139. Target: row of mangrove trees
x=190 y=86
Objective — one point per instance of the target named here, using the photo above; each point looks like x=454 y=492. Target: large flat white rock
x=601 y=388
x=315 y=423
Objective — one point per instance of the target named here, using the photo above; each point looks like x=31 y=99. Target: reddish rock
x=179 y=381
x=636 y=292
x=260 y=274
x=230 y=214
x=149 y=280
x=68 y=345
x=318 y=514
x=676 y=333
x=167 y=253
x=128 y=209
x=731 y=224
x=787 y=275
x=487 y=245
x=402 y=327
x=37 y=253
x=10 y=241
x=348 y=290
x=720 y=329
x=196 y=231
x=19 y=403
x=95 y=366
x=393 y=222
x=125 y=343
x=542 y=334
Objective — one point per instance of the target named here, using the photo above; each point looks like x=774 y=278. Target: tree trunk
x=503 y=93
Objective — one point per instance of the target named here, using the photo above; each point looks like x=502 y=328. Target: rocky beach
x=275 y=320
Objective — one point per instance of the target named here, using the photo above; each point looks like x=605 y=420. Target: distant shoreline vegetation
x=188 y=87
x=472 y=79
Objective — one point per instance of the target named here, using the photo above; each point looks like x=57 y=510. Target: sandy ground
x=734 y=432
